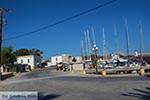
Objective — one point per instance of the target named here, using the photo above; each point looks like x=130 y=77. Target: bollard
x=103 y=72
x=142 y=71
x=83 y=72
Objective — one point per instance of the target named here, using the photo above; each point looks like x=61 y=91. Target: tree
x=36 y=52
x=22 y=52
x=8 y=57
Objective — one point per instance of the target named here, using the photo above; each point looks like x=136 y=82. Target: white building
x=56 y=59
x=136 y=53
x=64 y=58
x=79 y=59
x=32 y=60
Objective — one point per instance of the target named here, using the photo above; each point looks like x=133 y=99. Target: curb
x=79 y=73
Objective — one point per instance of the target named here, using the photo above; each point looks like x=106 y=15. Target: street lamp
x=95 y=49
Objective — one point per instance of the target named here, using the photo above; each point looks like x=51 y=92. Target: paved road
x=52 y=85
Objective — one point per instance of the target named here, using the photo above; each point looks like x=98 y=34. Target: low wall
x=78 y=66
x=6 y=75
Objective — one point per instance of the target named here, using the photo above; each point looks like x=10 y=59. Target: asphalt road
x=52 y=85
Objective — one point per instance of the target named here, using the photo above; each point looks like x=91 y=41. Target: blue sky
x=29 y=15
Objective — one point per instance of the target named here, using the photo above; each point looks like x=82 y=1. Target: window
x=28 y=61
x=21 y=61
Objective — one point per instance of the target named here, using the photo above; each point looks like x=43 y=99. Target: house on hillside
x=32 y=60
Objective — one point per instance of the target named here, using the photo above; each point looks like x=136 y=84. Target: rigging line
x=60 y=22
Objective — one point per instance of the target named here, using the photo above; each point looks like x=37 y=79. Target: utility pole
x=1 y=23
x=1 y=14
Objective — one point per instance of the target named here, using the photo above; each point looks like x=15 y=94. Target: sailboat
x=118 y=62
x=115 y=61
x=86 y=49
x=105 y=63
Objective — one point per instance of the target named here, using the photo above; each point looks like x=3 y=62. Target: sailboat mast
x=94 y=42
x=116 y=42
x=104 y=44
x=141 y=39
x=83 y=50
x=89 y=42
x=127 y=38
x=86 y=45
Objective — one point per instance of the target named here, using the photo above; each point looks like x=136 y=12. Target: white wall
x=31 y=60
x=67 y=58
x=56 y=59
x=78 y=66
x=78 y=58
x=64 y=58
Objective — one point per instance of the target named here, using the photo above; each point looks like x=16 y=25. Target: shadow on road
x=140 y=94
x=41 y=96
x=147 y=75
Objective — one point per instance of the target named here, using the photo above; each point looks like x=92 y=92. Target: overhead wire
x=59 y=22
